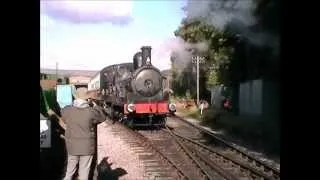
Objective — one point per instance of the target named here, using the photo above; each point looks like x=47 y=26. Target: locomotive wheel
x=112 y=115
x=130 y=123
x=116 y=115
x=163 y=122
x=120 y=117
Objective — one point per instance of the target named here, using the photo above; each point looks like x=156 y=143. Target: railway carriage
x=133 y=93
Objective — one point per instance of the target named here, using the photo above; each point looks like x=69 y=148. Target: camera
x=97 y=102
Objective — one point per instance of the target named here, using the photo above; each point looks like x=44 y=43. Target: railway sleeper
x=138 y=149
x=147 y=156
x=144 y=161
x=158 y=170
x=154 y=165
x=160 y=176
x=165 y=178
x=144 y=153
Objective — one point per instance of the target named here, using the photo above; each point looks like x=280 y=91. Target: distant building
x=53 y=77
x=48 y=84
x=79 y=81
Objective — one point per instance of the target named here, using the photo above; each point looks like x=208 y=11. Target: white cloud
x=76 y=11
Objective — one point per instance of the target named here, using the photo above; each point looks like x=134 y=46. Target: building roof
x=79 y=80
x=48 y=84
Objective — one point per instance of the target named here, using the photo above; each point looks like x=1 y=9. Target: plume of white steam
x=180 y=49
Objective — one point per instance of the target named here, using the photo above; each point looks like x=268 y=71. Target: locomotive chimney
x=146 y=55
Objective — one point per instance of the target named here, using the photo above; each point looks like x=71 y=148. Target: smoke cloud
x=235 y=16
x=180 y=50
x=220 y=12
x=115 y=12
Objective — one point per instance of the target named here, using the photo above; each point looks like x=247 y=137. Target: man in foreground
x=80 y=120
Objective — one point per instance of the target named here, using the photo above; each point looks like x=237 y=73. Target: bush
x=210 y=117
x=262 y=133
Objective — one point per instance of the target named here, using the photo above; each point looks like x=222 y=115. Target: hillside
x=63 y=72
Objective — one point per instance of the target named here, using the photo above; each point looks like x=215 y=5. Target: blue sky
x=89 y=35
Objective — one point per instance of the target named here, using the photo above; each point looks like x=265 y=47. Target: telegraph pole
x=168 y=81
x=57 y=71
x=197 y=58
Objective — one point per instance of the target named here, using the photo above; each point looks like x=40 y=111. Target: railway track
x=164 y=156
x=167 y=154
x=197 y=161
x=220 y=151
x=156 y=165
x=173 y=149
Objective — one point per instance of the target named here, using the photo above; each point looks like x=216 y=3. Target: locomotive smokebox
x=146 y=55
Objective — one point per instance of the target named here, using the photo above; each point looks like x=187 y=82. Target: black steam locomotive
x=133 y=93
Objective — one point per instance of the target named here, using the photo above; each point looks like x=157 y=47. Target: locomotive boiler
x=133 y=93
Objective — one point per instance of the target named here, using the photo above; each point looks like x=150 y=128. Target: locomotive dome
x=137 y=60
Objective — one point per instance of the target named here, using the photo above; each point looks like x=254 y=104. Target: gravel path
x=118 y=152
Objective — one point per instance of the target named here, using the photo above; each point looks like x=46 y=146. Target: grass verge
x=191 y=112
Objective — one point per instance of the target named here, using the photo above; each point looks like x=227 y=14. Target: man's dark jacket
x=80 y=133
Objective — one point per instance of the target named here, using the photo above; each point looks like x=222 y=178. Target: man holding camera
x=80 y=136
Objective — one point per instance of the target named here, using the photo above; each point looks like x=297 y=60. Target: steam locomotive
x=134 y=93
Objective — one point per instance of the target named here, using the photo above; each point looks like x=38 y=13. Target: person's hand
x=50 y=112
x=94 y=103
x=62 y=123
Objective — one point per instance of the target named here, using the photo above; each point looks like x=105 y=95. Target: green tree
x=229 y=60
x=217 y=56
